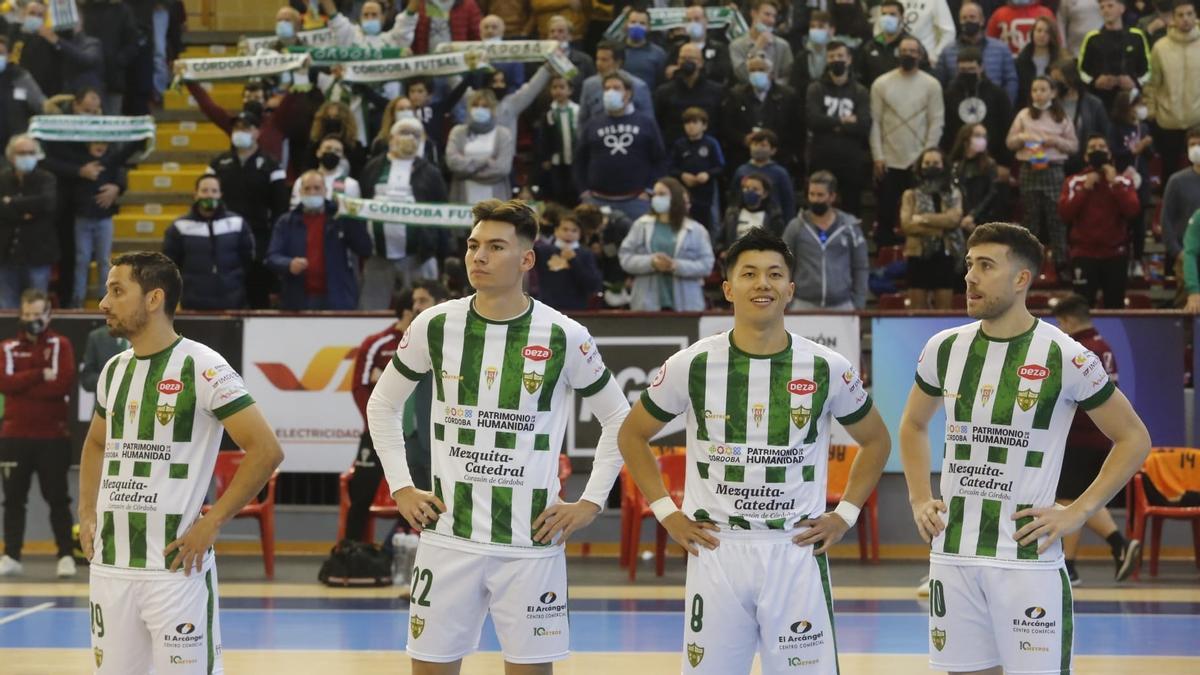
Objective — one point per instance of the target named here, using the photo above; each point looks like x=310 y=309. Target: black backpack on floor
x=356 y=563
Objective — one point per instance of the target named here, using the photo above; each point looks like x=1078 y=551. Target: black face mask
x=688 y=68
x=838 y=68
x=1097 y=159
x=969 y=80
x=499 y=92
x=330 y=161
x=254 y=108
x=34 y=327
x=333 y=126
x=908 y=62
x=971 y=28
x=933 y=174
x=819 y=209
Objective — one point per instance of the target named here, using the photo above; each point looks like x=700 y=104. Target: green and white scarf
x=94 y=129
x=431 y=65
x=516 y=51
x=666 y=18
x=235 y=67
x=457 y=216
x=321 y=37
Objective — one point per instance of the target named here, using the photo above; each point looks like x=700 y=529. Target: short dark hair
x=1193 y=132
x=152 y=270
x=423 y=81
x=564 y=79
x=972 y=54
x=589 y=217
x=759 y=239
x=206 y=176
x=761 y=135
x=893 y=3
x=759 y=3
x=1093 y=136
x=695 y=114
x=761 y=178
x=515 y=212
x=31 y=295
x=617 y=50
x=1021 y=243
x=618 y=75
x=433 y=288
x=83 y=92
x=1181 y=3
x=254 y=85
x=402 y=300
x=824 y=178
x=820 y=16
x=1073 y=306
x=838 y=44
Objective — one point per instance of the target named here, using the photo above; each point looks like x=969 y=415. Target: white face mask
x=1194 y=154
x=1141 y=111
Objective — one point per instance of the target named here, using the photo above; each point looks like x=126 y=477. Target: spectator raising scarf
x=322 y=37
x=456 y=216
x=666 y=18
x=94 y=128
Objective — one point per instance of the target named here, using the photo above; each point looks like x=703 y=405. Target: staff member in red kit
x=37 y=372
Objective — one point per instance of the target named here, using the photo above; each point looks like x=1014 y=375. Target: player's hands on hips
x=87 y=533
x=929 y=523
x=419 y=507
x=192 y=546
x=691 y=534
x=565 y=518
x=1051 y=522
x=827 y=530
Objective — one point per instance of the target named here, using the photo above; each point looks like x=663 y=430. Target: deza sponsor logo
x=1031 y=371
x=537 y=353
x=168 y=387
x=801 y=387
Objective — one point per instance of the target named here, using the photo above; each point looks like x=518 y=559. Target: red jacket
x=1084 y=433
x=375 y=352
x=464 y=24
x=35 y=407
x=1098 y=219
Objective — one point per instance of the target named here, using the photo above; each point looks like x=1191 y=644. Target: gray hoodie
x=834 y=272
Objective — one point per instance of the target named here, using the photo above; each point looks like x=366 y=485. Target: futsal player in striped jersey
x=503 y=364
x=999 y=595
x=161 y=408
x=760 y=404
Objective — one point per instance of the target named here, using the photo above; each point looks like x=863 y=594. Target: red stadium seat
x=673 y=468
x=262 y=510
x=893 y=301
x=1138 y=301
x=886 y=255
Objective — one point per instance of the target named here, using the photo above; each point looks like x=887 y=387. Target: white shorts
x=453 y=591
x=163 y=625
x=982 y=617
x=758 y=593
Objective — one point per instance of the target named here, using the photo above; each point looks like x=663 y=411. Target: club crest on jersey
x=133 y=408
x=800 y=416
x=758 y=410
x=491 y=376
x=986 y=393
x=99 y=654
x=1027 y=398
x=938 y=637
x=416 y=626
x=537 y=353
x=1032 y=371
x=695 y=654
x=164 y=412
x=532 y=381
x=801 y=387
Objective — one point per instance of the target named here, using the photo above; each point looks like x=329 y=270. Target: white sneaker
x=10 y=567
x=66 y=567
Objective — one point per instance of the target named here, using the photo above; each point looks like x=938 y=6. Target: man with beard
x=144 y=473
x=1010 y=385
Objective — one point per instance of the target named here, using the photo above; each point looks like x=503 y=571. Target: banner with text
x=436 y=215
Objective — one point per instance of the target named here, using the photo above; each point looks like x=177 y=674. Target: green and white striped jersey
x=499 y=412
x=1009 y=406
x=163 y=430
x=757 y=427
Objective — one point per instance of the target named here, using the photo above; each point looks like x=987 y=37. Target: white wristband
x=847 y=512
x=663 y=508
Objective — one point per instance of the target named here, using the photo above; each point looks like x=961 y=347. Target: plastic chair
x=634 y=507
x=382 y=506
x=674 y=470
x=893 y=301
x=262 y=510
x=841 y=457
x=1139 y=508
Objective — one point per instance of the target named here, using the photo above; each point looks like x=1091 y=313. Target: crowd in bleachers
x=872 y=136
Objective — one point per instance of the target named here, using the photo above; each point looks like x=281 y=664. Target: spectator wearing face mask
x=95 y=202
x=1098 y=206
x=687 y=88
x=479 y=154
x=1084 y=109
x=444 y=21
x=332 y=165
x=761 y=104
x=368 y=32
x=336 y=119
x=932 y=23
x=37 y=379
x=763 y=146
x=1013 y=22
x=561 y=31
x=311 y=249
x=714 y=52
x=977 y=175
x=213 y=248
x=567 y=273
x=1173 y=94
x=28 y=238
x=610 y=58
x=761 y=39
x=838 y=113
x=603 y=233
x=668 y=254
x=831 y=252
x=1132 y=146
x=20 y=96
x=557 y=141
x=643 y=58
x=751 y=205
x=813 y=54
x=934 y=242
x=971 y=98
x=29 y=48
x=254 y=187
x=620 y=154
x=907 y=117
x=402 y=254
x=881 y=54
x=697 y=161
x=994 y=56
